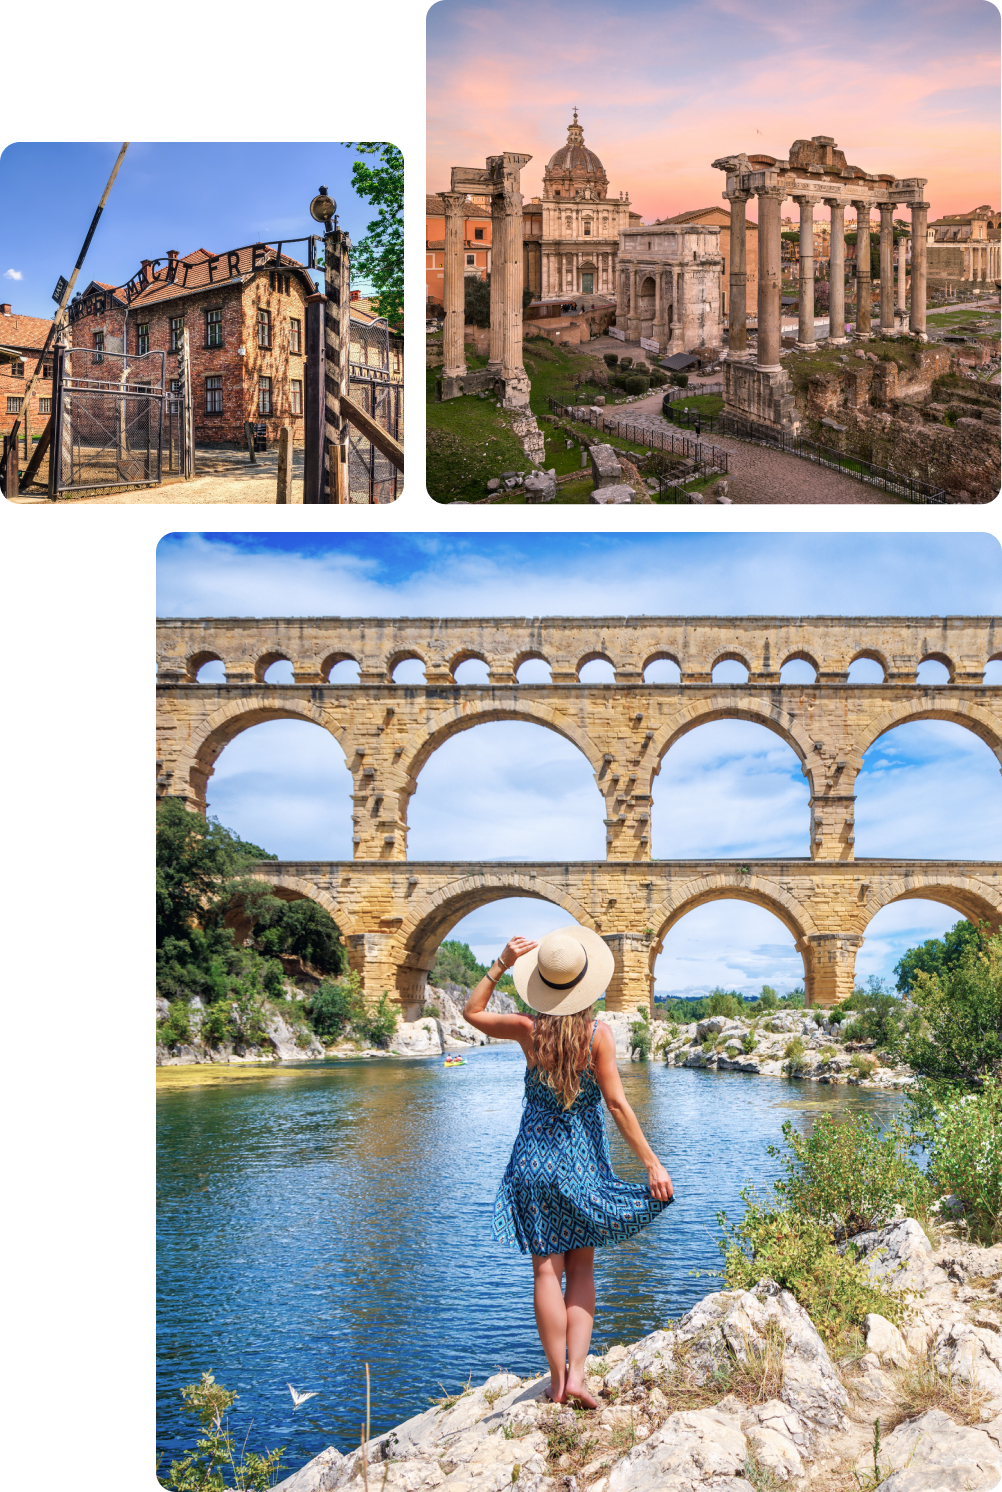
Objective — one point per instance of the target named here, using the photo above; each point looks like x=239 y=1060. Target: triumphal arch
x=816 y=173
x=394 y=912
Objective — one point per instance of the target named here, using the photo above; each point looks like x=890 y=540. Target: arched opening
x=993 y=671
x=409 y=670
x=897 y=928
x=798 y=671
x=486 y=930
x=930 y=789
x=662 y=671
x=534 y=670
x=932 y=671
x=345 y=671
x=866 y=670
x=206 y=668
x=283 y=785
x=506 y=790
x=279 y=672
x=730 y=671
x=729 y=788
x=596 y=671
x=728 y=944
x=472 y=671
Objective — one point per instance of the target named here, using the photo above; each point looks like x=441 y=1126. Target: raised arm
x=501 y=1027
x=608 y=1079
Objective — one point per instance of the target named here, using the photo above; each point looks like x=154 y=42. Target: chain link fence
x=375 y=372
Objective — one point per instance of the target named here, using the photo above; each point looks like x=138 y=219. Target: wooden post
x=313 y=414
x=249 y=438
x=10 y=464
x=284 y=494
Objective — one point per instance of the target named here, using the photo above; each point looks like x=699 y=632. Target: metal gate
x=377 y=386
x=109 y=420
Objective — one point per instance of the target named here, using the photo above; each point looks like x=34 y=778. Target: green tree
x=936 y=955
x=302 y=929
x=194 y=857
x=379 y=256
x=957 y=1044
x=477 y=300
x=216 y=1459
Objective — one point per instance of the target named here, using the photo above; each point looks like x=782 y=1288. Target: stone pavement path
x=758 y=474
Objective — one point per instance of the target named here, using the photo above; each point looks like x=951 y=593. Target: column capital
x=920 y=206
x=889 y=208
x=835 y=203
x=771 y=189
x=739 y=196
x=802 y=200
x=862 y=206
x=453 y=200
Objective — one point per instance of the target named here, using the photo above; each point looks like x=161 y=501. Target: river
x=315 y=1217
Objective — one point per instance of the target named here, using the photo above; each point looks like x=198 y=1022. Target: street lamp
x=323 y=209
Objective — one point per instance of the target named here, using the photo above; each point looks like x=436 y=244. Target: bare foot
x=554 y=1396
x=581 y=1395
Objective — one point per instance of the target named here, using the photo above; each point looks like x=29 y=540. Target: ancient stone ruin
x=816 y=172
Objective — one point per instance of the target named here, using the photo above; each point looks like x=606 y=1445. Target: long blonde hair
x=561 y=1045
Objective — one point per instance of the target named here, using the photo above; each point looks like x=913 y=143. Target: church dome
x=574 y=169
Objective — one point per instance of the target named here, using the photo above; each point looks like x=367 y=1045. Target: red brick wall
x=15 y=387
x=239 y=305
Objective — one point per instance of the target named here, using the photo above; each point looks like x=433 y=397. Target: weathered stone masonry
x=394 y=912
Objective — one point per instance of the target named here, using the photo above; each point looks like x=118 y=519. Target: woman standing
x=559 y=1198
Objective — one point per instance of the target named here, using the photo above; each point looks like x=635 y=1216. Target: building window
x=175 y=388
x=263 y=328
x=297 y=396
x=471 y=259
x=281 y=283
x=142 y=336
x=45 y=406
x=99 y=347
x=587 y=231
x=17 y=370
x=478 y=233
x=46 y=370
x=213 y=328
x=13 y=405
x=295 y=335
x=176 y=329
x=264 y=395
x=214 y=395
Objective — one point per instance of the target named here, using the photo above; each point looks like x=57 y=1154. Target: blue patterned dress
x=559 y=1190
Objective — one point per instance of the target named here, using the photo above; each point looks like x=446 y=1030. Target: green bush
x=658 y=379
x=302 y=929
x=848 y=1175
x=640 y=367
x=635 y=385
x=797 y=1252
x=640 y=1035
x=794 y=1052
x=722 y=1002
x=334 y=1006
x=376 y=1027
x=207 y=1468
x=956 y=1046
x=680 y=380
x=626 y=362
x=768 y=998
x=175 y=1029
x=966 y=1158
x=611 y=359
x=879 y=1016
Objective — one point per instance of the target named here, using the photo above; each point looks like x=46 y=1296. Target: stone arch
x=701 y=712
x=970 y=896
x=465 y=716
x=526 y=656
x=289 y=887
x=197 y=761
x=195 y=661
x=332 y=659
x=465 y=655
x=434 y=914
x=971 y=716
x=801 y=655
x=947 y=663
x=874 y=656
x=401 y=656
x=731 y=655
x=263 y=664
x=668 y=655
x=595 y=656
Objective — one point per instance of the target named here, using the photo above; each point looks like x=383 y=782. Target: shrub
x=333 y=1006
x=862 y=1065
x=834 y=1289
x=433 y=1011
x=721 y=1002
x=640 y=1035
x=626 y=362
x=635 y=385
x=658 y=379
x=956 y=1046
x=175 y=1029
x=611 y=359
x=966 y=1158
x=794 y=1053
x=203 y=1469
x=848 y=1175
x=376 y=1027
x=680 y=380
x=640 y=367
x=880 y=1017
x=768 y=998
x=749 y=1041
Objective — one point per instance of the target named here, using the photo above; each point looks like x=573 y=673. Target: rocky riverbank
x=739 y=1395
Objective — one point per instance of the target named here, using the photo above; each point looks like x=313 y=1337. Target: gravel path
x=759 y=474
x=225 y=476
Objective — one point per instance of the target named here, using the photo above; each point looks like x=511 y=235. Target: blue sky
x=511 y=790
x=184 y=197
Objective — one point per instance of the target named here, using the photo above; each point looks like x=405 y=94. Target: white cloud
x=929 y=789
x=13 y=274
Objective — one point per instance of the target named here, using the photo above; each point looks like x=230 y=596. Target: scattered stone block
x=884 y=1338
x=608 y=495
x=605 y=466
x=540 y=487
x=494 y=484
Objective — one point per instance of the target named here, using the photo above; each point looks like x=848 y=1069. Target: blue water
x=325 y=1216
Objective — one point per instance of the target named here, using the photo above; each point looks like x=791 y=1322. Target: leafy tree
x=379 y=256
x=216 y=1458
x=957 y=1044
x=334 y=1006
x=726 y=1003
x=937 y=955
x=768 y=998
x=194 y=856
x=302 y=929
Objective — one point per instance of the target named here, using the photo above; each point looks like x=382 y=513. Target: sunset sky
x=664 y=87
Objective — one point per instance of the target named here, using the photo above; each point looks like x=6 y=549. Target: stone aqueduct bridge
x=394 y=912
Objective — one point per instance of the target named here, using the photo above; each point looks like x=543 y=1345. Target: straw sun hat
x=567 y=972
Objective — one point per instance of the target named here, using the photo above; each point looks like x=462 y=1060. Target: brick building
x=21 y=340
x=476 y=243
x=245 y=315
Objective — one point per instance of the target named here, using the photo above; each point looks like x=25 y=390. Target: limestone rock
x=494 y=484
x=776 y=1451
x=283 y=1042
x=690 y=1450
x=933 y=1454
x=970 y=1354
x=610 y=495
x=883 y=1338
x=540 y=487
x=605 y=466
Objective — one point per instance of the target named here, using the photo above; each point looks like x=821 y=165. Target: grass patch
x=708 y=404
x=924 y=1388
x=468 y=442
x=568 y=1444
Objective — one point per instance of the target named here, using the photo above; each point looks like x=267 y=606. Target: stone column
x=498 y=246
x=863 y=270
x=511 y=292
x=737 y=315
x=836 y=273
x=805 y=327
x=633 y=320
x=632 y=981
x=770 y=201
x=920 y=223
x=829 y=966
x=655 y=329
x=454 y=295
x=902 y=279
x=887 y=268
